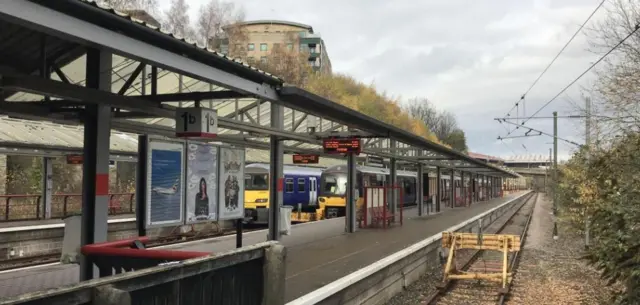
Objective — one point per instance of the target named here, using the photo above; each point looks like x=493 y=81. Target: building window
x=263 y=60
x=263 y=47
x=250 y=59
x=251 y=47
x=301 y=183
x=290 y=46
x=288 y=185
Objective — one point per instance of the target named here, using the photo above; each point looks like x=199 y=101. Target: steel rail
x=515 y=259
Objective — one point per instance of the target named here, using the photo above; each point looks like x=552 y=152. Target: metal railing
x=30 y=207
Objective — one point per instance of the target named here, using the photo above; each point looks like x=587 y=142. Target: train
x=300 y=190
x=317 y=193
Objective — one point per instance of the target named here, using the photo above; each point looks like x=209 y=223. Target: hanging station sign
x=196 y=123
x=342 y=145
x=306 y=159
x=375 y=161
x=76 y=159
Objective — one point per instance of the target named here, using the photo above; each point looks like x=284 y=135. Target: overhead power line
x=556 y=57
x=637 y=26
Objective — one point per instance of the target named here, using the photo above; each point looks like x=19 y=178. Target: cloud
x=472 y=57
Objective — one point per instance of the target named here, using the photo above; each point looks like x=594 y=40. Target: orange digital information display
x=306 y=159
x=342 y=145
x=75 y=159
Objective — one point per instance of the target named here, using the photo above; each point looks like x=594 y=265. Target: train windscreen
x=333 y=185
x=256 y=182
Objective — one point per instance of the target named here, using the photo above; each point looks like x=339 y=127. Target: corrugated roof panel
x=193 y=43
x=68 y=136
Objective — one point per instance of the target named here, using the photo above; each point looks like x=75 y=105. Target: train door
x=313 y=190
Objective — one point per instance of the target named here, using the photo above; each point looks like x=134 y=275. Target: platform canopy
x=43 y=70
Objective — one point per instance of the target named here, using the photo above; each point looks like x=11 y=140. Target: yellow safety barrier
x=494 y=242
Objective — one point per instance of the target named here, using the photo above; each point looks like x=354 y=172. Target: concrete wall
x=49 y=240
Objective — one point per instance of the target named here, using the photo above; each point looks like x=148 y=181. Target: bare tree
x=423 y=109
x=446 y=125
x=615 y=108
x=176 y=19
x=212 y=19
x=442 y=123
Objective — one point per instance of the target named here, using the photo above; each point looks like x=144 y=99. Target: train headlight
x=261 y=200
x=321 y=199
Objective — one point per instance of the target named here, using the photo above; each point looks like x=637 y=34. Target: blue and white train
x=300 y=190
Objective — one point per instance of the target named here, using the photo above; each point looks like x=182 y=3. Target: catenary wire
x=637 y=26
x=556 y=57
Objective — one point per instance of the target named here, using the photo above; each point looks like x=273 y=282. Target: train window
x=407 y=187
x=256 y=182
x=288 y=187
x=333 y=185
x=301 y=183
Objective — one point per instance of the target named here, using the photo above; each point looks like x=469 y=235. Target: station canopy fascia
x=43 y=68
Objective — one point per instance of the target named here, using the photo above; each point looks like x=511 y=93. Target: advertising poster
x=202 y=182
x=231 y=183
x=164 y=183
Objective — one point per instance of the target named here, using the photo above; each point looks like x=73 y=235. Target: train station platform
x=318 y=252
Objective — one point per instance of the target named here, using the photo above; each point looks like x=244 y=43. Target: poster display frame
x=154 y=143
x=222 y=214
x=215 y=194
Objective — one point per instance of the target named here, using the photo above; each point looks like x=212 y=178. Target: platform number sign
x=196 y=123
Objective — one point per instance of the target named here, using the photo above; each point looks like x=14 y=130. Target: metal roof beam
x=343 y=134
x=195 y=96
x=134 y=75
x=37 y=85
x=306 y=101
x=41 y=17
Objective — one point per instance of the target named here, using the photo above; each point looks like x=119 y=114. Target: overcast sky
x=472 y=57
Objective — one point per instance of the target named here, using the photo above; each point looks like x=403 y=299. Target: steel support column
x=276 y=173
x=472 y=189
x=439 y=189
x=351 y=195
x=463 y=190
x=141 y=185
x=420 y=189
x=493 y=186
x=393 y=176
x=47 y=186
x=95 y=169
x=485 y=184
x=452 y=196
x=478 y=187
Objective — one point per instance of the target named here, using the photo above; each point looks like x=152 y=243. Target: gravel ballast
x=550 y=272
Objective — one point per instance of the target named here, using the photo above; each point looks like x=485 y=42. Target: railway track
x=31 y=261
x=480 y=292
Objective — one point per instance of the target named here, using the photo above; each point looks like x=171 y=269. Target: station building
x=263 y=36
